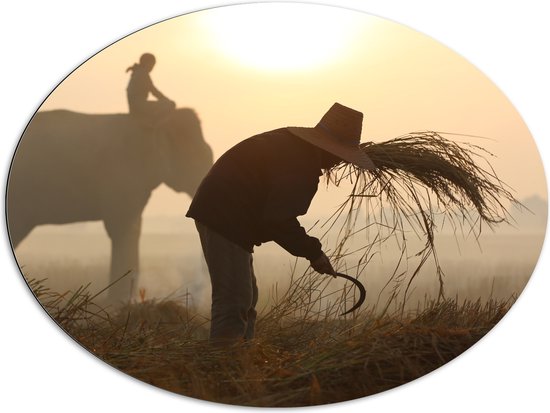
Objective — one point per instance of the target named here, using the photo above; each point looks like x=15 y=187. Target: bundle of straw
x=445 y=167
x=421 y=176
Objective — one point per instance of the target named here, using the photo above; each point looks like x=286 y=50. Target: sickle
x=362 y=291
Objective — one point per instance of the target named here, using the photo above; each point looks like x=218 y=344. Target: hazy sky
x=251 y=68
x=37 y=42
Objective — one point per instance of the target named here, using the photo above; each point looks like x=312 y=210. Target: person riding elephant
x=149 y=112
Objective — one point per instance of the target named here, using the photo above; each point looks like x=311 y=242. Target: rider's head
x=147 y=61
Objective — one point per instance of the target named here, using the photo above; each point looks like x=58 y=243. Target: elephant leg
x=124 y=234
x=18 y=230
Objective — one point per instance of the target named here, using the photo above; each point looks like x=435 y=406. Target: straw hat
x=338 y=132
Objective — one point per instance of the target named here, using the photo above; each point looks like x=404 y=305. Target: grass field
x=304 y=353
x=300 y=357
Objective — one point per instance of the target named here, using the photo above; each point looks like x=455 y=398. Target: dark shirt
x=255 y=191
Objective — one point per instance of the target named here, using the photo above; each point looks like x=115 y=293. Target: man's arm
x=156 y=93
x=292 y=187
x=290 y=235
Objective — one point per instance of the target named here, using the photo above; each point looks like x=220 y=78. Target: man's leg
x=233 y=286
x=250 y=328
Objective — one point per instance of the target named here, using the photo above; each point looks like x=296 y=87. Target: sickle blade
x=360 y=287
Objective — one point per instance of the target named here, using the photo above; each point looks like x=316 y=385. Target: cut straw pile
x=422 y=180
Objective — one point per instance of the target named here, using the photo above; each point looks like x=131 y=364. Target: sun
x=281 y=36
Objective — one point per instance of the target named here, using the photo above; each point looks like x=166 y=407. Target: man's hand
x=322 y=265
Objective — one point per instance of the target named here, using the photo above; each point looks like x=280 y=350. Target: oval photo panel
x=369 y=171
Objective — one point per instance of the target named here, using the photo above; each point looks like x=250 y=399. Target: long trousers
x=234 y=290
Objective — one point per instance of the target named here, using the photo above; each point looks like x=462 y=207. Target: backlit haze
x=400 y=79
x=251 y=68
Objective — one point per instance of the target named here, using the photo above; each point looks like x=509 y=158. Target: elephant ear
x=165 y=139
x=186 y=157
x=184 y=123
x=171 y=124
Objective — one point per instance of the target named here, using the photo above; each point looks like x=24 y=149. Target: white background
x=44 y=369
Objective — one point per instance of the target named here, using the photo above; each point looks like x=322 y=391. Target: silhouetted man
x=254 y=194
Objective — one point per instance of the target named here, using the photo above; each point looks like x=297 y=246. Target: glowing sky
x=250 y=68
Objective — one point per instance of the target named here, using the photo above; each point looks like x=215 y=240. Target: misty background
x=498 y=265
x=401 y=80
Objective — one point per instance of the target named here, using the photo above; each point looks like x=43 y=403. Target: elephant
x=71 y=167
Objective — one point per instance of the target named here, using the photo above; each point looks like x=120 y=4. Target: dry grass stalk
x=422 y=180
x=286 y=365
